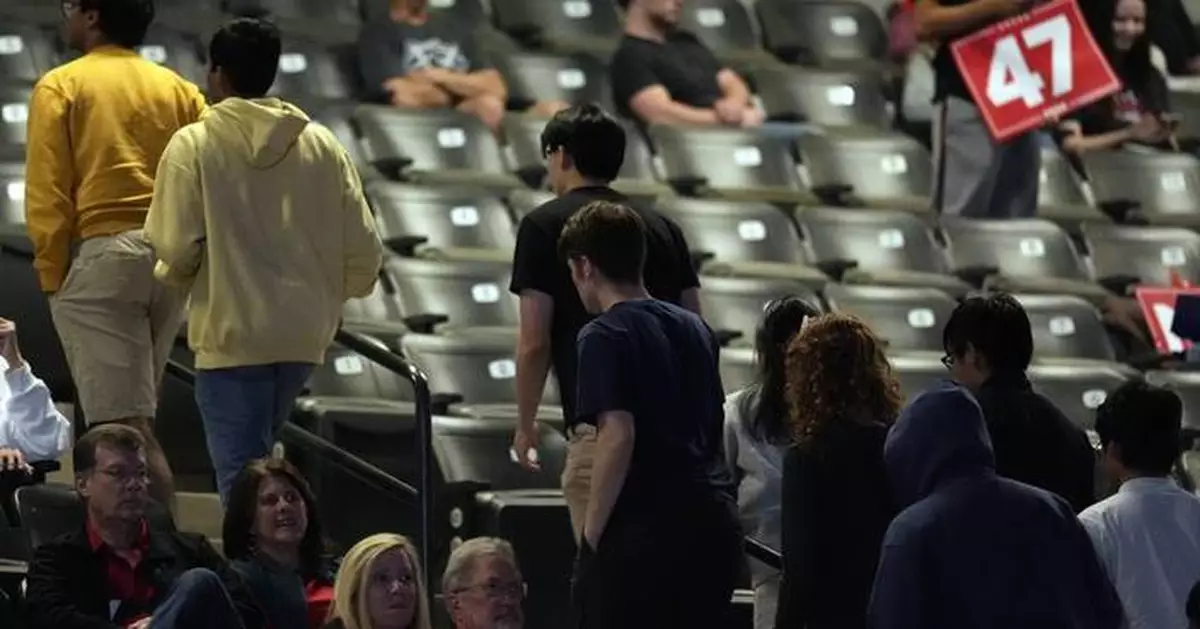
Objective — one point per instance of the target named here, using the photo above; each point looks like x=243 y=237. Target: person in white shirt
x=1148 y=534
x=31 y=429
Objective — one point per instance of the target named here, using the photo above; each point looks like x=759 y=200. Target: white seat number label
x=348 y=365
x=11 y=45
x=893 y=164
x=1173 y=182
x=1174 y=256
x=891 y=239
x=1093 y=398
x=1032 y=247
x=14 y=113
x=1062 y=326
x=752 y=231
x=15 y=190
x=292 y=63
x=154 y=54
x=451 y=138
x=577 y=9
x=843 y=26
x=710 y=17
x=747 y=156
x=571 y=78
x=485 y=293
x=840 y=96
x=503 y=369
x=464 y=216
x=921 y=318
x=1011 y=79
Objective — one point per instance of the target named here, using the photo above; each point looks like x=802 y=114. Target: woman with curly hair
x=842 y=398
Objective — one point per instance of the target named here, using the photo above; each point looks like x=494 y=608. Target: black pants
x=660 y=573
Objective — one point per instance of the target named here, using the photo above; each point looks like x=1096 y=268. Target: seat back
x=823 y=33
x=1148 y=253
x=1018 y=248
x=479 y=365
x=830 y=98
x=1060 y=184
x=1077 y=389
x=427 y=140
x=49 y=511
x=442 y=216
x=734 y=232
x=723 y=158
x=875 y=239
x=26 y=52
x=736 y=304
x=1066 y=327
x=468 y=292
x=477 y=450
x=723 y=26
x=309 y=70
x=380 y=305
x=532 y=21
x=14 y=114
x=738 y=369
x=908 y=319
x=12 y=193
x=1163 y=183
x=533 y=77
x=347 y=374
x=875 y=166
x=177 y=51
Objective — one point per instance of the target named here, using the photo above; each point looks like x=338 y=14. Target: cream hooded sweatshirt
x=260 y=213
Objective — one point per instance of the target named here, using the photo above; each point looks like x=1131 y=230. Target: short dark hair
x=113 y=435
x=594 y=140
x=997 y=327
x=122 y=22
x=1145 y=420
x=246 y=50
x=237 y=530
x=611 y=235
x=624 y=4
x=1193 y=605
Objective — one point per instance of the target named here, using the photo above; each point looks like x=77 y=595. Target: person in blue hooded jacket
x=973 y=550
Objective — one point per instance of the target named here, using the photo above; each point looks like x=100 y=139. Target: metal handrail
x=763 y=553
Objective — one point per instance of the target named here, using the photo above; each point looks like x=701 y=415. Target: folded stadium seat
x=327 y=21
x=638 y=177
x=587 y=26
x=825 y=34
x=337 y=118
x=1078 y=389
x=347 y=374
x=1061 y=195
x=881 y=247
x=909 y=319
x=471 y=365
x=726 y=28
x=733 y=306
x=377 y=315
x=737 y=368
x=863 y=167
x=1125 y=255
x=535 y=76
x=1186 y=385
x=1066 y=326
x=26 y=52
x=523 y=201
x=309 y=71
x=477 y=450
x=176 y=50
x=198 y=17
x=830 y=98
x=917 y=371
x=432 y=147
x=466 y=293
x=414 y=217
x=1162 y=187
x=1019 y=255
x=14 y=114
x=735 y=164
x=12 y=195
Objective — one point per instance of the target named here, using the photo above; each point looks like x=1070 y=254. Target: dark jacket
x=1035 y=443
x=974 y=550
x=66 y=586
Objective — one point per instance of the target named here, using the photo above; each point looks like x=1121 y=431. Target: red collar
x=96 y=542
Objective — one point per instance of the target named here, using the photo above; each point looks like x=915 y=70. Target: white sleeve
x=29 y=422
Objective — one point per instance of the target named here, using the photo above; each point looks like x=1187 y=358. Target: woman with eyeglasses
x=842 y=398
x=380 y=586
x=272 y=537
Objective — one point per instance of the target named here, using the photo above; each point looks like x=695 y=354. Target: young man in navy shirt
x=661 y=544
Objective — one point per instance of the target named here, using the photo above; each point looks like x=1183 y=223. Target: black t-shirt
x=949 y=81
x=681 y=64
x=388 y=49
x=1126 y=107
x=658 y=362
x=536 y=266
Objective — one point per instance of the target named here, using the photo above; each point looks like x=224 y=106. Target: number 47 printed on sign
x=1033 y=68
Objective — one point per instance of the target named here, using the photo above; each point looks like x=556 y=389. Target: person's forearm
x=1099 y=142
x=734 y=88
x=475 y=84
x=533 y=366
x=675 y=113
x=935 y=21
x=418 y=94
x=614 y=449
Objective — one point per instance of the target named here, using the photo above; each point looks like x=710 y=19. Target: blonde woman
x=379 y=586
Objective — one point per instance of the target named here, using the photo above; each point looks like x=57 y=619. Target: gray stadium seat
x=432 y=146
x=735 y=304
x=337 y=118
x=308 y=70
x=883 y=247
x=377 y=315
x=523 y=202
x=12 y=193
x=590 y=26
x=830 y=98
x=916 y=106
x=1187 y=385
x=176 y=50
x=1164 y=186
x=14 y=114
x=533 y=77
x=1077 y=389
x=917 y=371
x=331 y=21
x=1060 y=193
x=822 y=33
x=737 y=368
x=730 y=163
x=1146 y=255
x=477 y=450
x=726 y=28
x=347 y=374
x=439 y=216
x=26 y=52
x=736 y=232
x=467 y=292
x=907 y=318
x=1021 y=255
x=1066 y=327
x=857 y=167
x=477 y=364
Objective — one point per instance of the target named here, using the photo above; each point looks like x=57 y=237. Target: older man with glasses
x=483 y=587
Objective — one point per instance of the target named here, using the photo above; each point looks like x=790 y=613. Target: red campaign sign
x=1032 y=68
x=1158 y=306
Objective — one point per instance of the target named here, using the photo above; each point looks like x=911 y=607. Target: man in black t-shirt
x=661 y=544
x=663 y=75
x=584 y=149
x=974 y=175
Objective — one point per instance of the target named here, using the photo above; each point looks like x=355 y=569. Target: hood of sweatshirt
x=940 y=436
x=262 y=130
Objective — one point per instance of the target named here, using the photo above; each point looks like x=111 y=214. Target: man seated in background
x=422 y=60
x=1148 y=534
x=120 y=569
x=482 y=585
x=31 y=429
x=662 y=75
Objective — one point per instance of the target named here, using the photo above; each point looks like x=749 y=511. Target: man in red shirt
x=121 y=569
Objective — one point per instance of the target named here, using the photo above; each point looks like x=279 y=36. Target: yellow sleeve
x=49 y=185
x=175 y=225
x=364 y=251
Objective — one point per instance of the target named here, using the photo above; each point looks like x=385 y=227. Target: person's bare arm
x=937 y=21
x=533 y=366
x=733 y=88
x=472 y=84
x=416 y=93
x=614 y=449
x=654 y=105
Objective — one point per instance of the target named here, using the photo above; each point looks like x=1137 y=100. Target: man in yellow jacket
x=96 y=129
x=260 y=213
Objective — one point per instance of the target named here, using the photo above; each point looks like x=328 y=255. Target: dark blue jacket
x=973 y=550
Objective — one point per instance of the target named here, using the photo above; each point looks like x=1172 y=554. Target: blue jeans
x=242 y=407
x=198 y=601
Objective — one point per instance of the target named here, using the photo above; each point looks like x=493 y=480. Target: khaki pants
x=577 y=474
x=117 y=325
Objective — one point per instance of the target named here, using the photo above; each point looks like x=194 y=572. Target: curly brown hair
x=837 y=371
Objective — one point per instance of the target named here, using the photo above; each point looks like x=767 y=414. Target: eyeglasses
x=499 y=590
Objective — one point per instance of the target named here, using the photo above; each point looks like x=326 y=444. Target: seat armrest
x=837 y=268
x=1120 y=284
x=833 y=193
x=1119 y=209
x=441 y=402
x=424 y=323
x=976 y=275
x=725 y=337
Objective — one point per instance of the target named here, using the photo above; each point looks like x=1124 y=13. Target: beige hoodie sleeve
x=175 y=225
x=363 y=250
